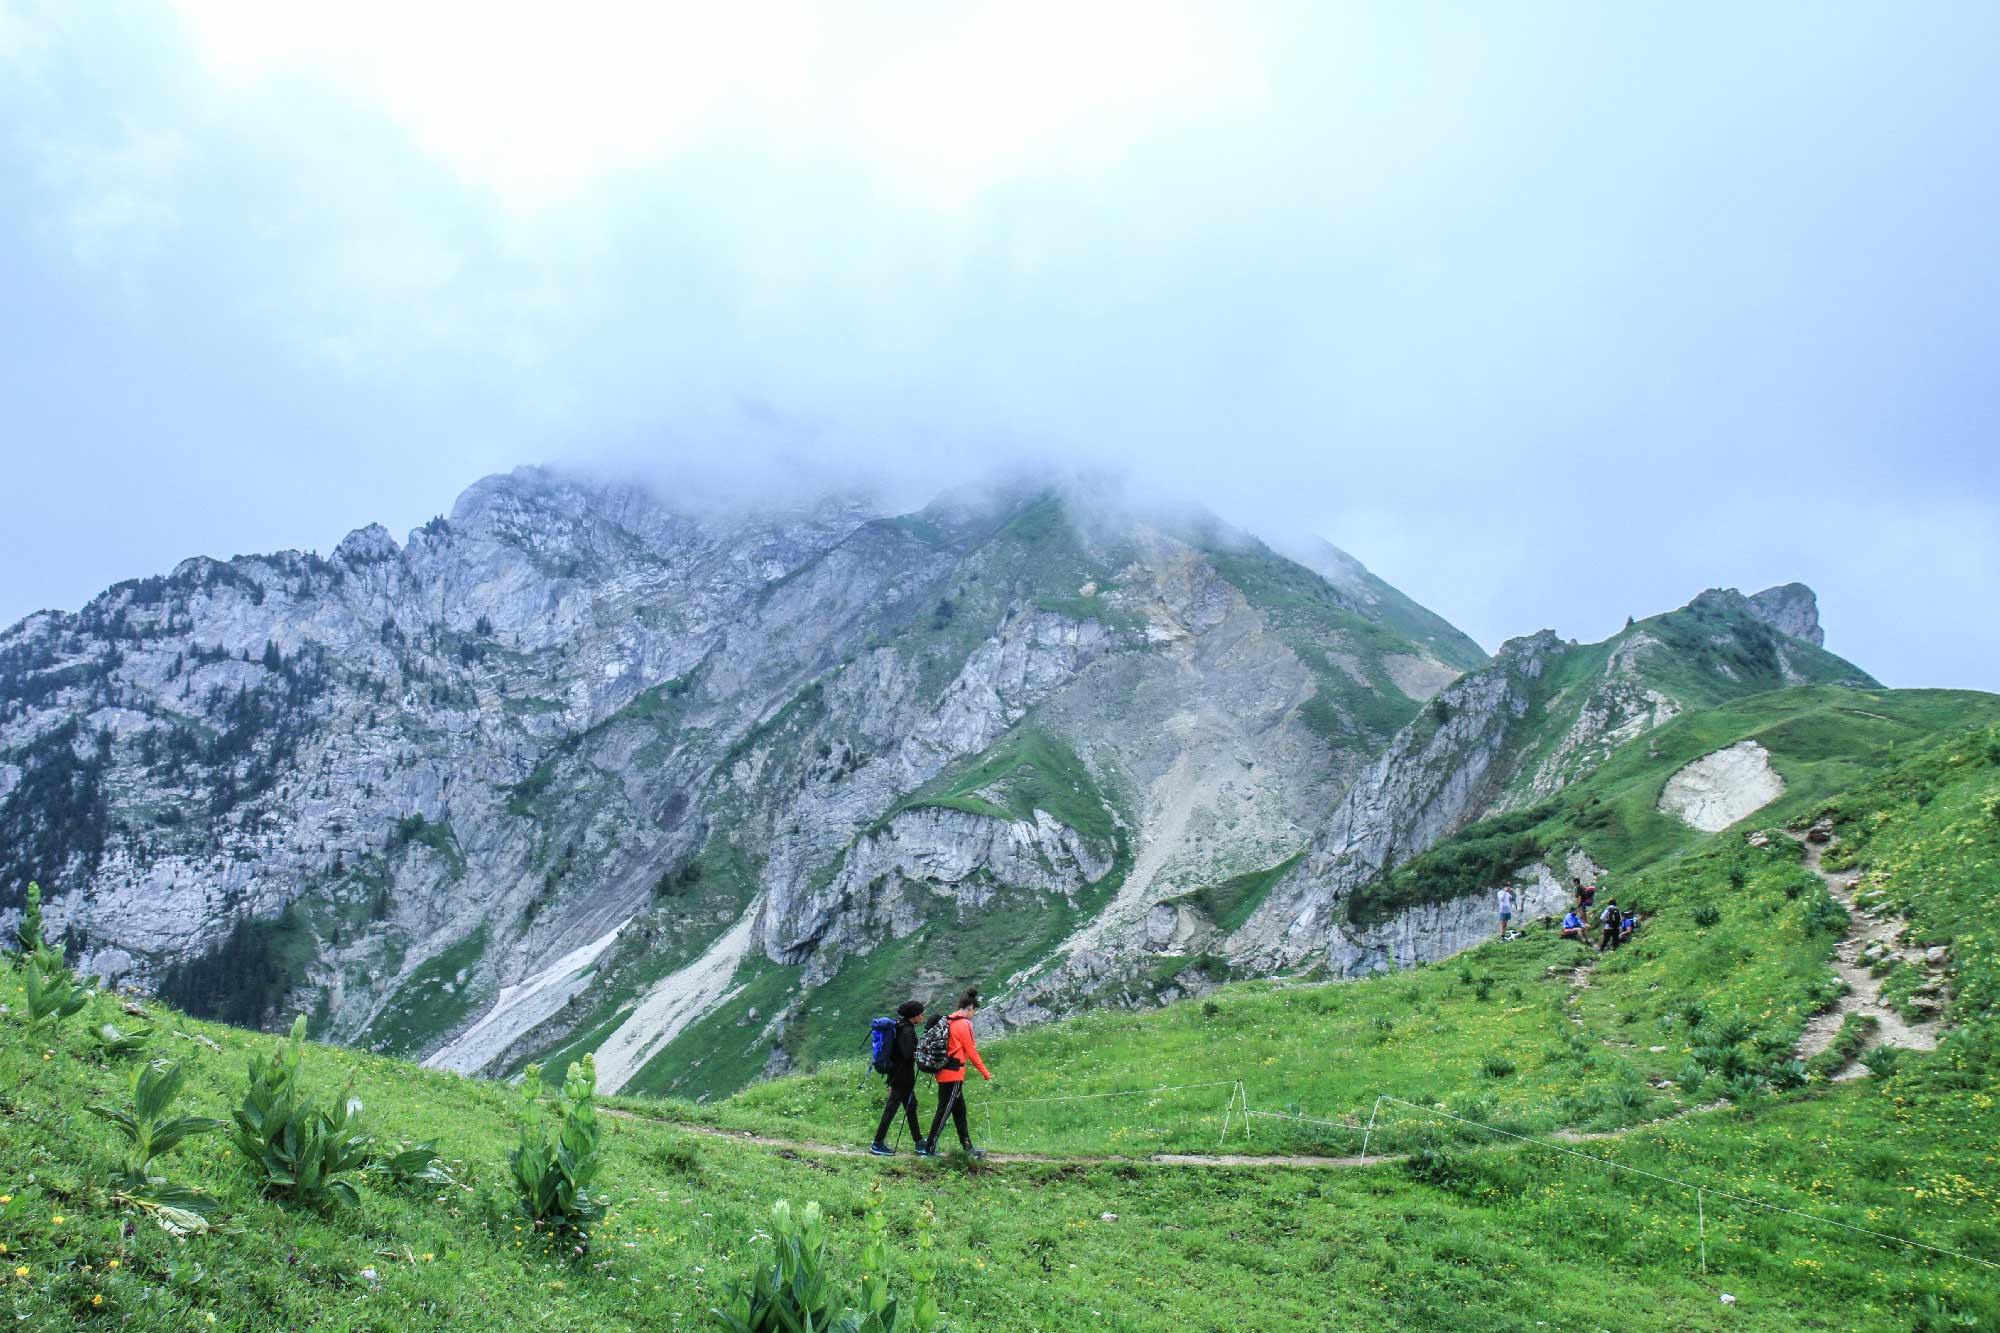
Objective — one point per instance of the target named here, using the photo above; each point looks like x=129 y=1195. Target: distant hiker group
x=942 y=1048
x=1614 y=924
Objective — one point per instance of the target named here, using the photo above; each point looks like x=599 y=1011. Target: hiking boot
x=925 y=1150
x=881 y=1149
x=971 y=1151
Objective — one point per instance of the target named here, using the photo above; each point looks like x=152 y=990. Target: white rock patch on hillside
x=1718 y=789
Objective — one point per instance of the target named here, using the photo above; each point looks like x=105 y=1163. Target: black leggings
x=951 y=1098
x=905 y=1100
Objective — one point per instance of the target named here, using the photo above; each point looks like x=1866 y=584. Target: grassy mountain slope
x=1821 y=740
x=1367 y=592
x=1709 y=652
x=1461 y=1236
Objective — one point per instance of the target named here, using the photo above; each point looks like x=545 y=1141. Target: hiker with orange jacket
x=960 y=1050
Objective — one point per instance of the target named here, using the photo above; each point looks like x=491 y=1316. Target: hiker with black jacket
x=959 y=1050
x=901 y=1058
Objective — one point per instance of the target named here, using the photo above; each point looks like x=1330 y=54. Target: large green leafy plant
x=796 y=1291
x=151 y=1131
x=53 y=992
x=559 y=1156
x=298 y=1148
x=114 y=1040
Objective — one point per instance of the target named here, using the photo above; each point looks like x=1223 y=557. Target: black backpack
x=934 y=1047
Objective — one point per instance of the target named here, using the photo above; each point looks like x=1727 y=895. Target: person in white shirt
x=1506 y=908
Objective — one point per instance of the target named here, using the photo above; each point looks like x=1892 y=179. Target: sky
x=1552 y=314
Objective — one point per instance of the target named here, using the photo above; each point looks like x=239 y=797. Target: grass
x=1229 y=904
x=1469 y=1239
x=1027 y=770
x=435 y=998
x=1583 y=1055
x=1465 y=1235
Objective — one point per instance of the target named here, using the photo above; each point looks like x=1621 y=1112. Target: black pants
x=951 y=1099
x=1609 y=940
x=902 y=1097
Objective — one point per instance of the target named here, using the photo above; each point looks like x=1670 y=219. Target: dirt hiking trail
x=1866 y=930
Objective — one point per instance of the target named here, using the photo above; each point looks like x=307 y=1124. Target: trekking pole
x=950 y=1105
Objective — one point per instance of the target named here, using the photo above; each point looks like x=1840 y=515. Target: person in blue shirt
x=1572 y=925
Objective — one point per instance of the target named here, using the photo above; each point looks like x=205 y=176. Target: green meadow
x=1674 y=1055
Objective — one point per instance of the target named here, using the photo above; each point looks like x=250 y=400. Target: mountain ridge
x=576 y=764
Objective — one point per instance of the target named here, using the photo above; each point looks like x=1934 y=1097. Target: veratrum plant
x=52 y=989
x=559 y=1157
x=151 y=1132
x=878 y=1310
x=796 y=1292
x=410 y=1164
x=114 y=1040
x=29 y=932
x=296 y=1148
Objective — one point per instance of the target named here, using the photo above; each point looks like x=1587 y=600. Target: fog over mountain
x=1553 y=319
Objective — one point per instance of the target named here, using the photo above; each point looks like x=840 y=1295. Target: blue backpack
x=881 y=1045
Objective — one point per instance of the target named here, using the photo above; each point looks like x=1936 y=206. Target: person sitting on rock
x=1625 y=928
x=1572 y=925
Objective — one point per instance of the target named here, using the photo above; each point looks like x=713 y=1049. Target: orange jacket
x=960 y=1046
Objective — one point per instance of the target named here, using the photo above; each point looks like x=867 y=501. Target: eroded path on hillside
x=1870 y=937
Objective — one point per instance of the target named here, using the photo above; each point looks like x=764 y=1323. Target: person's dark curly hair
x=969 y=1000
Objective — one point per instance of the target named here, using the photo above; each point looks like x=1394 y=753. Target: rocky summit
x=699 y=786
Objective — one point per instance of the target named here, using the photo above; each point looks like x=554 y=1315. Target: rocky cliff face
x=576 y=767
x=1790 y=608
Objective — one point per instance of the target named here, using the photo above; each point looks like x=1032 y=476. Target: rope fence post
x=1701 y=1229
x=1238 y=1099
x=1369 y=1133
